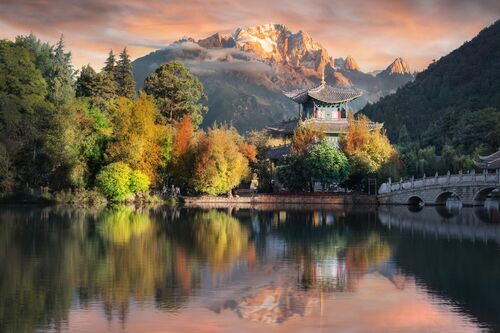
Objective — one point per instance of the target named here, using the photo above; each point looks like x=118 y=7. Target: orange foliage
x=249 y=151
x=136 y=136
x=183 y=136
x=304 y=136
x=368 y=149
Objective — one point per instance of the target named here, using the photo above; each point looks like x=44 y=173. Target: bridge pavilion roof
x=324 y=93
x=490 y=162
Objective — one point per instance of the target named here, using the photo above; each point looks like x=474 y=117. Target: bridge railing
x=448 y=179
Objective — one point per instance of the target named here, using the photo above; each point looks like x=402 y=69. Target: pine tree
x=86 y=82
x=61 y=80
x=110 y=63
x=123 y=76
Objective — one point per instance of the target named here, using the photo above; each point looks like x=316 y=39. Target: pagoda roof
x=492 y=157
x=324 y=93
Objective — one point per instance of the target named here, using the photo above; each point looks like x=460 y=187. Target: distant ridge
x=441 y=105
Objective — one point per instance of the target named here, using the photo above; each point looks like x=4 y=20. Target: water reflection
x=288 y=267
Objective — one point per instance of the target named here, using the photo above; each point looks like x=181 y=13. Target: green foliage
x=455 y=101
x=117 y=181
x=292 y=173
x=123 y=76
x=177 y=92
x=139 y=182
x=327 y=164
x=262 y=167
x=86 y=82
x=114 y=181
x=321 y=163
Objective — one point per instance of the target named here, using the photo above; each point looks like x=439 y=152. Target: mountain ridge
x=260 y=62
x=446 y=102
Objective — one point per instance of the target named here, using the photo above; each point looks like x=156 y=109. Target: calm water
x=240 y=270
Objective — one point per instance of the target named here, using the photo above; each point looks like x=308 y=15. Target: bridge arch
x=443 y=197
x=415 y=200
x=481 y=196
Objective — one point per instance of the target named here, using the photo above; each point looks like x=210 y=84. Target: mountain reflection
x=261 y=265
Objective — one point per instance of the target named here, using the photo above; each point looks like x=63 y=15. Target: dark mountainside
x=245 y=73
x=455 y=101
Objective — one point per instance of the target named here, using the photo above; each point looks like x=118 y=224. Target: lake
x=279 y=269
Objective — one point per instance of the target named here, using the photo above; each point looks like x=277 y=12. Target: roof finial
x=323 y=82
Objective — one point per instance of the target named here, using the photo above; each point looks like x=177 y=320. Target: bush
x=139 y=182
x=114 y=181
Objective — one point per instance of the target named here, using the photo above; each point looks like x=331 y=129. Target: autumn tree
x=123 y=76
x=177 y=93
x=220 y=165
x=367 y=148
x=184 y=133
x=304 y=136
x=137 y=138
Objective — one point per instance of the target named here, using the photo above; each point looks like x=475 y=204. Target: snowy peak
x=275 y=42
x=351 y=65
x=398 y=66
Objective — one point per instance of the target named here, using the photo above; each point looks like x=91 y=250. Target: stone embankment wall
x=293 y=199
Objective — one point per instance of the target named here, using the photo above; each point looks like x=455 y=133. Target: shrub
x=114 y=181
x=139 y=182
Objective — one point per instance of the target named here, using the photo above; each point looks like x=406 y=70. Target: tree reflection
x=118 y=255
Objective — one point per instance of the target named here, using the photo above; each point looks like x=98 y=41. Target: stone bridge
x=472 y=189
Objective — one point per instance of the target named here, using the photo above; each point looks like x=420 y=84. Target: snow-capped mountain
x=245 y=72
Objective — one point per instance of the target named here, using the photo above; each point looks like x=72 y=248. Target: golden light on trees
x=368 y=149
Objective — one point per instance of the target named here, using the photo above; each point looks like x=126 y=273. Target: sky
x=374 y=32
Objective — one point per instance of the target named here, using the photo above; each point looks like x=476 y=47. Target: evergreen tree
x=177 y=93
x=86 y=83
x=123 y=76
x=61 y=79
x=110 y=63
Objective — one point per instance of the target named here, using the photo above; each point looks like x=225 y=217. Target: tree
x=137 y=138
x=291 y=173
x=114 y=181
x=304 y=137
x=326 y=164
x=177 y=93
x=86 y=82
x=262 y=166
x=110 y=63
x=219 y=164
x=139 y=182
x=367 y=148
x=123 y=76
x=183 y=136
x=61 y=75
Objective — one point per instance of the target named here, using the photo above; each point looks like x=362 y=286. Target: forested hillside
x=455 y=101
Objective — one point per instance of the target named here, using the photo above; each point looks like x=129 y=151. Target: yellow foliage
x=220 y=164
x=368 y=149
x=304 y=136
x=137 y=138
x=220 y=238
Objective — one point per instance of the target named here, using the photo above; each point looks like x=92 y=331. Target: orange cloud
x=374 y=32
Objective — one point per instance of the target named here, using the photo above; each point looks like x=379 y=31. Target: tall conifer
x=123 y=76
x=110 y=63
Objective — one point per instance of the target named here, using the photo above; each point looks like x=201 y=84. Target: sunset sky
x=373 y=32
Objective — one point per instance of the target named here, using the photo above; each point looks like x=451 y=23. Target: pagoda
x=324 y=107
